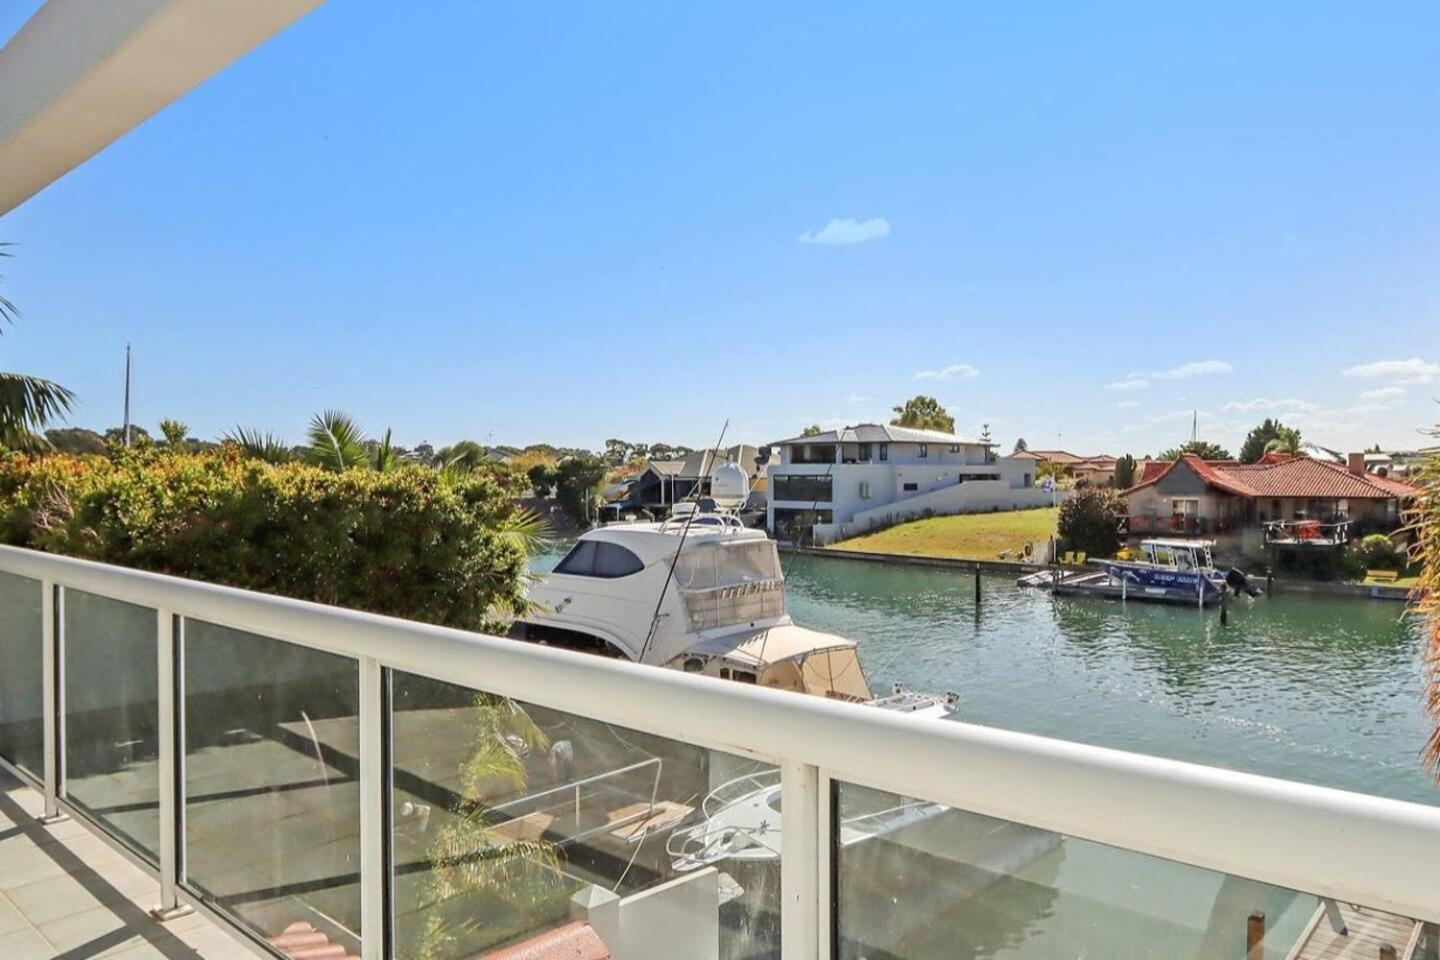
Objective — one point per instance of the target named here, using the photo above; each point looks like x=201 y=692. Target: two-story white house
x=844 y=482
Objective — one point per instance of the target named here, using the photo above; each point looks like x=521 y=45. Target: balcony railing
x=322 y=779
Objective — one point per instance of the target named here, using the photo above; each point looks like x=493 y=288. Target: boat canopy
x=793 y=657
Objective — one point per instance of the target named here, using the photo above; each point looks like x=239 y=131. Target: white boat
x=741 y=821
x=699 y=592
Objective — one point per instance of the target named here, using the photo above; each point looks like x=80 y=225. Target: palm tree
x=27 y=404
x=472 y=853
x=1423 y=521
x=1286 y=440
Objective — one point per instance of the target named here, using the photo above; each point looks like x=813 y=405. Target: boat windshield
x=729 y=583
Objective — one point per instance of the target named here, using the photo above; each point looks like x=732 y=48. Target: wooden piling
x=1269 y=581
x=977 y=584
x=1255 y=936
x=1224 y=606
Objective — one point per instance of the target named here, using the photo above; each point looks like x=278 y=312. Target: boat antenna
x=670 y=573
x=126 y=432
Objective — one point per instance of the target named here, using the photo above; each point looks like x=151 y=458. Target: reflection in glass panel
x=22 y=734
x=519 y=824
x=112 y=716
x=919 y=881
x=272 y=814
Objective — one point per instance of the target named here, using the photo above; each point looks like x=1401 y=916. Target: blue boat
x=1181 y=571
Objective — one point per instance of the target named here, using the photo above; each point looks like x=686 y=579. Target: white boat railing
x=1344 y=846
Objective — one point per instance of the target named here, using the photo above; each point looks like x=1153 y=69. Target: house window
x=864 y=451
x=1185 y=508
x=813 y=453
x=910 y=487
x=1276 y=511
x=864 y=489
x=1028 y=480
x=924 y=450
x=801 y=487
x=954 y=448
x=884 y=452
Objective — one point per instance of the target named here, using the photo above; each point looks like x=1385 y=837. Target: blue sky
x=569 y=222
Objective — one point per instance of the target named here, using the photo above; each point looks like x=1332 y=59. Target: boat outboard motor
x=1236 y=580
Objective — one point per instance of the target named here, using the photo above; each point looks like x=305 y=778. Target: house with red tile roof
x=1191 y=495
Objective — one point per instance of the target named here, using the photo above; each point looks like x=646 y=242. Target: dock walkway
x=1367 y=935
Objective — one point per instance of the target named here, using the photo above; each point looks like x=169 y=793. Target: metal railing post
x=826 y=867
x=800 y=816
x=169 y=694
x=373 y=830
x=52 y=700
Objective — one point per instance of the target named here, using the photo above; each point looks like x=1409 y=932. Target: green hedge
x=415 y=543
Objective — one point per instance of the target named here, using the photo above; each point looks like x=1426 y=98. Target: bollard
x=1255 y=936
x=977 y=584
x=1224 y=606
x=1269 y=581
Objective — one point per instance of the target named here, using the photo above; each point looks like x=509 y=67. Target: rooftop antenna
x=1194 y=423
x=127 y=395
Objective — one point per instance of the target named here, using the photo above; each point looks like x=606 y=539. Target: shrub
x=1379 y=552
x=1090 y=521
x=414 y=542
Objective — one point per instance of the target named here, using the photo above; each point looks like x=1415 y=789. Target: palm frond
x=8 y=311
x=527 y=528
x=386 y=458
x=27 y=406
x=336 y=441
x=257 y=444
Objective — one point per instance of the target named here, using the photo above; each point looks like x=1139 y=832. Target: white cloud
x=1413 y=370
x=855 y=399
x=848 y=230
x=1129 y=383
x=956 y=371
x=1266 y=405
x=1383 y=393
x=1127 y=404
x=1198 y=369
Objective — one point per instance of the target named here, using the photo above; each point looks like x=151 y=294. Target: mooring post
x=977 y=584
x=1255 y=936
x=1269 y=581
x=1224 y=606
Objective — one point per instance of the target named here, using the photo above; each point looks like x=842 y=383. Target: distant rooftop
x=884 y=433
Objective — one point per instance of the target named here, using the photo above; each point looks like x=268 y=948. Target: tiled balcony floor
x=65 y=894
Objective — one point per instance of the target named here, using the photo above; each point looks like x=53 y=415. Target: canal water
x=1315 y=689
x=1318 y=689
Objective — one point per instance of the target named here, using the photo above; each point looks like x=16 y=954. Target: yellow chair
x=1079 y=556
x=1069 y=557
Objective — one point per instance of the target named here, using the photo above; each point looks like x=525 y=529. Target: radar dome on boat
x=729 y=485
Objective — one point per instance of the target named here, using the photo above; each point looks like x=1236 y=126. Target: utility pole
x=127 y=394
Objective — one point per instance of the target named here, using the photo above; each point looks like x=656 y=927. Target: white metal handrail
x=1345 y=846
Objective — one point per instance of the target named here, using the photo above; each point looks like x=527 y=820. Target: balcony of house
x=320 y=783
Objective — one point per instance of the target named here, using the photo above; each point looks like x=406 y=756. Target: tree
x=27 y=404
x=812 y=431
x=75 y=440
x=577 y=482
x=1125 y=472
x=1020 y=446
x=464 y=455
x=923 y=413
x=1286 y=440
x=1203 y=449
x=139 y=436
x=174 y=431
x=1258 y=439
x=542 y=479
x=617 y=452
x=1090 y=520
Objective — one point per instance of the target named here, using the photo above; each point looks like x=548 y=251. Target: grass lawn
x=971 y=536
